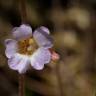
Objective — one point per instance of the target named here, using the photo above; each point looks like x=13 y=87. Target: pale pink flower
x=28 y=48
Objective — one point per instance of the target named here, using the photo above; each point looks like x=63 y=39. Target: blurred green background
x=73 y=27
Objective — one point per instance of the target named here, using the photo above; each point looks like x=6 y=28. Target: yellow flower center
x=27 y=46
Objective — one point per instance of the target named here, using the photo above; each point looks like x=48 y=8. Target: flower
x=28 y=48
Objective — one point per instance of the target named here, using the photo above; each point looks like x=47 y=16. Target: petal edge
x=22 y=32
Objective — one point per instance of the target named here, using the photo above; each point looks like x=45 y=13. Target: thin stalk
x=23 y=12
x=60 y=85
x=21 y=85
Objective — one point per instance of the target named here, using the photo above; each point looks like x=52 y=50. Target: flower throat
x=27 y=46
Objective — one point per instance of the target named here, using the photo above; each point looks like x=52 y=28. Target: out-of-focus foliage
x=72 y=24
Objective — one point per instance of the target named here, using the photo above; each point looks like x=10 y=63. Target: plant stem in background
x=60 y=85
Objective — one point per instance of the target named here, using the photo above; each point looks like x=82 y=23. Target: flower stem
x=23 y=12
x=21 y=85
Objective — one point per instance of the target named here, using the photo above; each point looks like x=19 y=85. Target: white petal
x=42 y=37
x=45 y=29
x=19 y=62
x=22 y=32
x=39 y=58
x=14 y=61
x=23 y=65
x=11 y=47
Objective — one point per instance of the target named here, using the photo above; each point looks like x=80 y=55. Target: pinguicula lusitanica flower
x=28 y=48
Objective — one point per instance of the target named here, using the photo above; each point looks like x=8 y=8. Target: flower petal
x=11 y=47
x=42 y=37
x=22 y=32
x=19 y=62
x=39 y=58
x=45 y=29
x=23 y=65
